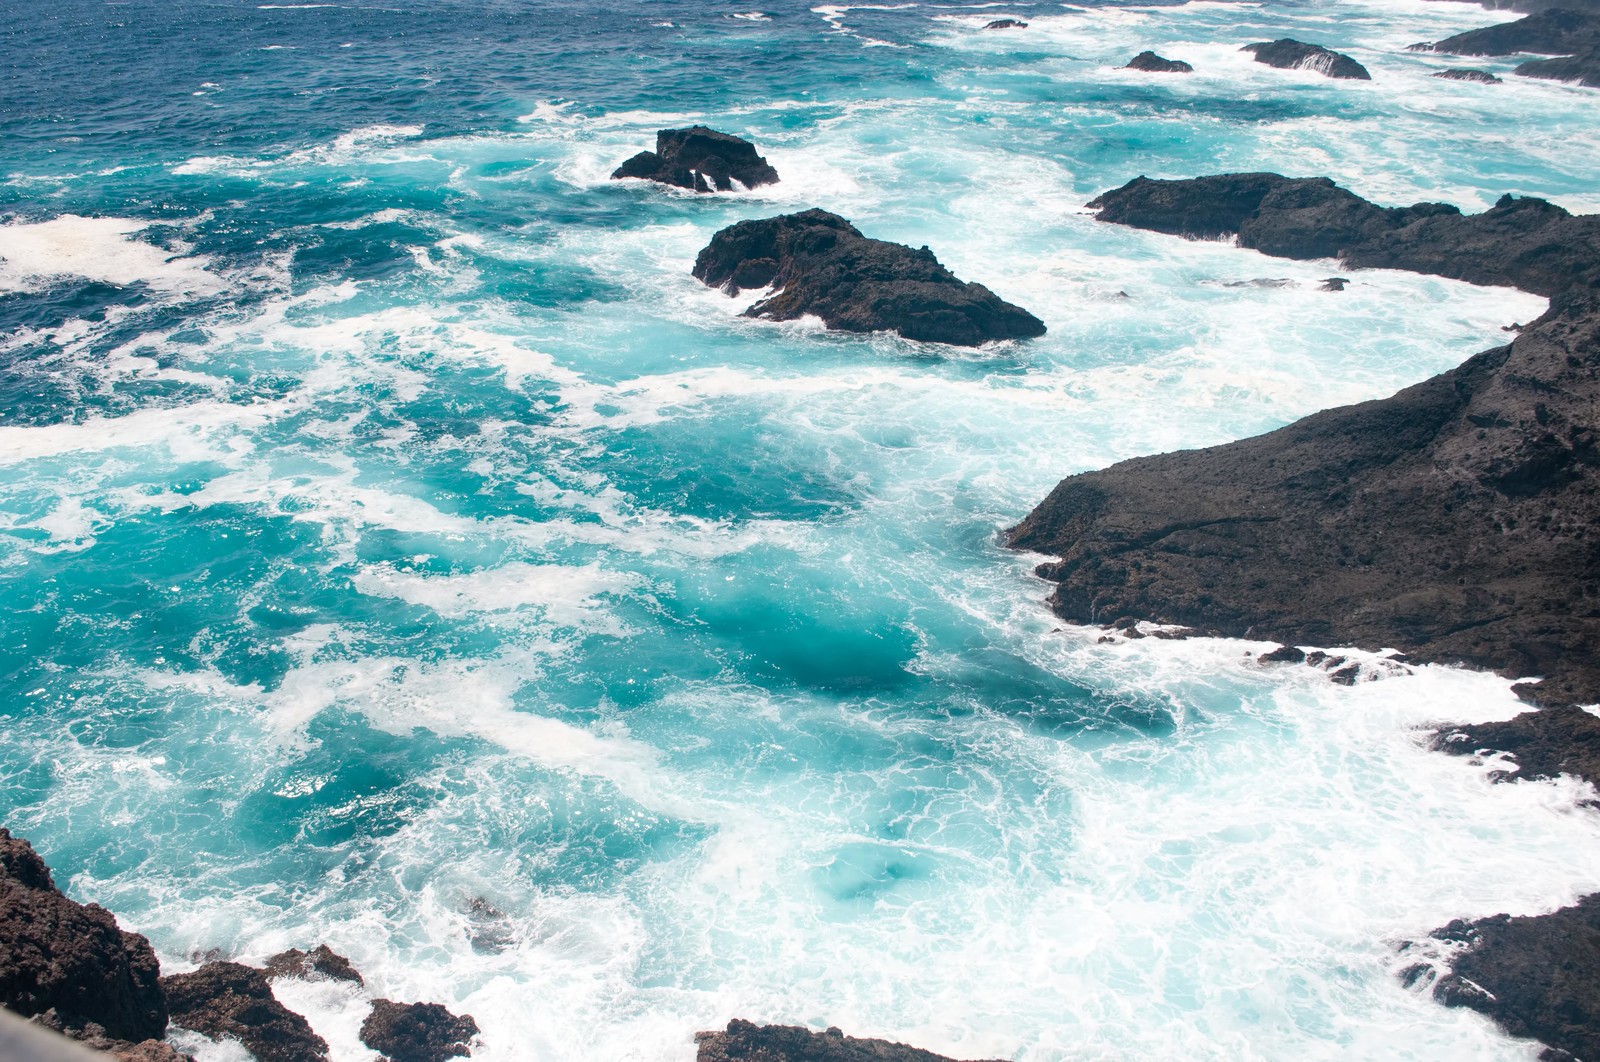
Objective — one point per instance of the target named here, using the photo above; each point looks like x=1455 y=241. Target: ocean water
x=400 y=550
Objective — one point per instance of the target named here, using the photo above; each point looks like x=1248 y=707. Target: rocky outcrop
x=233 y=1001
x=1289 y=54
x=320 y=962
x=1480 y=76
x=1450 y=521
x=1152 y=63
x=1554 y=32
x=417 y=1032
x=821 y=265
x=700 y=159
x=71 y=962
x=1537 y=977
x=1583 y=69
x=1007 y=23
x=1556 y=741
x=743 y=1041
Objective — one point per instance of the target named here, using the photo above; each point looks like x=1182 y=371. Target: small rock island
x=700 y=159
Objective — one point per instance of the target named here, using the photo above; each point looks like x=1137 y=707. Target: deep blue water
x=400 y=550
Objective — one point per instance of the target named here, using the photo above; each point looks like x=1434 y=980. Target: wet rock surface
x=700 y=159
x=1287 y=54
x=1544 y=744
x=819 y=264
x=1480 y=76
x=320 y=961
x=233 y=1001
x=744 y=1041
x=1152 y=63
x=1583 y=69
x=1006 y=23
x=72 y=961
x=417 y=1032
x=1561 y=31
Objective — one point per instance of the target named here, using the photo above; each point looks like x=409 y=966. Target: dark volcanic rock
x=1452 y=520
x=1554 y=32
x=417 y=1032
x=1545 y=743
x=1481 y=76
x=70 y=958
x=1584 y=68
x=821 y=264
x=227 y=999
x=1289 y=54
x=1155 y=64
x=321 y=961
x=1006 y=23
x=744 y=1041
x=1537 y=977
x=701 y=159
x=144 y=1051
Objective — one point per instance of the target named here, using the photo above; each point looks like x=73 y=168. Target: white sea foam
x=567 y=595
x=33 y=254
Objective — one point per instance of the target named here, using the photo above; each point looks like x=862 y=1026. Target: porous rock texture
x=819 y=264
x=744 y=1041
x=233 y=1001
x=320 y=962
x=700 y=159
x=417 y=1032
x=1288 y=54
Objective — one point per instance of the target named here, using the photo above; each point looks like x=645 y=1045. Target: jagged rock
x=1583 y=69
x=1283 y=654
x=229 y=999
x=1481 y=76
x=1152 y=63
x=1536 y=976
x=94 y=1036
x=70 y=958
x=700 y=159
x=1451 y=520
x=744 y=1041
x=1553 y=32
x=1006 y=23
x=321 y=961
x=822 y=265
x=1547 y=743
x=1334 y=284
x=417 y=1032
x=1289 y=54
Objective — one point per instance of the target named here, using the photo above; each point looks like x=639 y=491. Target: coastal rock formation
x=1559 y=31
x=821 y=265
x=1451 y=521
x=1583 y=69
x=417 y=1032
x=744 y=1041
x=321 y=961
x=1155 y=64
x=69 y=961
x=228 y=999
x=700 y=159
x=1537 y=976
x=1287 y=54
x=1564 y=740
x=1007 y=23
x=1481 y=76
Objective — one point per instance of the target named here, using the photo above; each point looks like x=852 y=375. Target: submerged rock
x=1480 y=76
x=821 y=265
x=1536 y=976
x=1287 y=54
x=321 y=961
x=700 y=159
x=417 y=1032
x=229 y=999
x=744 y=1041
x=1155 y=64
x=1006 y=23
x=1547 y=743
x=71 y=961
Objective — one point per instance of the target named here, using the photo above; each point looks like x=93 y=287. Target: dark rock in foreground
x=1006 y=23
x=744 y=1041
x=320 y=961
x=1552 y=32
x=1537 y=977
x=822 y=265
x=1583 y=69
x=228 y=999
x=1481 y=76
x=71 y=961
x=417 y=1032
x=1452 y=521
x=1287 y=54
x=1155 y=64
x=700 y=159
x=1545 y=744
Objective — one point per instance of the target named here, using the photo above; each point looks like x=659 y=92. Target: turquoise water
x=402 y=551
